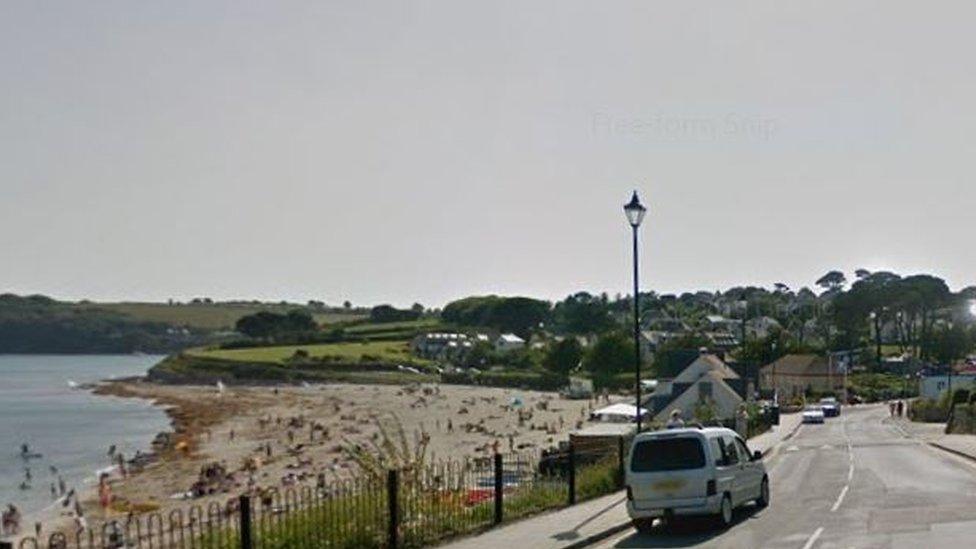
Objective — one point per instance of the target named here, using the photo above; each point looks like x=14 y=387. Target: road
x=856 y=481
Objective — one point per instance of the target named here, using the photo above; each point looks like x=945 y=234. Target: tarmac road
x=856 y=481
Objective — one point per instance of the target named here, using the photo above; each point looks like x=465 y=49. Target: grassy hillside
x=217 y=316
x=351 y=352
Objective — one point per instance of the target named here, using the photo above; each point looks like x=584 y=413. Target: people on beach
x=10 y=520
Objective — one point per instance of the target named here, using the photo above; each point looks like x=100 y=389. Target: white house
x=706 y=380
x=508 y=342
x=934 y=386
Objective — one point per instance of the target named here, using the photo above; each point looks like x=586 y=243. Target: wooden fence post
x=245 y=523
x=393 y=504
x=499 y=488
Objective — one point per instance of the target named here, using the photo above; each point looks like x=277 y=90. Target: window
x=668 y=454
x=743 y=450
x=718 y=451
x=730 y=451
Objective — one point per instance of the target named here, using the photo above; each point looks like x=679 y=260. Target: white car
x=680 y=472
x=813 y=414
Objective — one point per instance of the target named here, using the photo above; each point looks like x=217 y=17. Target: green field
x=405 y=326
x=382 y=351
x=217 y=316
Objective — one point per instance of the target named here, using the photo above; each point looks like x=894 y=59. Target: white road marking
x=813 y=538
x=850 y=472
x=840 y=499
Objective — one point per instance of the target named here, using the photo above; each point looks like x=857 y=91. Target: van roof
x=703 y=431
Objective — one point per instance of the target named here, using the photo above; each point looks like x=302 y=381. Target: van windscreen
x=668 y=454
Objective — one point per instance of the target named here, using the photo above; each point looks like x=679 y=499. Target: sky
x=401 y=151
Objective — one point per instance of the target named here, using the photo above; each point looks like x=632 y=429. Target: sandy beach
x=266 y=437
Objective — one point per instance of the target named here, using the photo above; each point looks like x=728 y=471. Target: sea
x=43 y=404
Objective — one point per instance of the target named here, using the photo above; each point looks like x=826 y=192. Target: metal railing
x=403 y=508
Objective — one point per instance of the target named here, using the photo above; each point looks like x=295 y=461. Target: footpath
x=588 y=522
x=934 y=435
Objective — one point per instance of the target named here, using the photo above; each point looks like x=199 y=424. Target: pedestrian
x=674 y=420
x=891 y=408
x=901 y=408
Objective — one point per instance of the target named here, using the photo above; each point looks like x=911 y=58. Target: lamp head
x=635 y=211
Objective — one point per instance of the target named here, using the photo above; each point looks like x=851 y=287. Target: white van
x=707 y=471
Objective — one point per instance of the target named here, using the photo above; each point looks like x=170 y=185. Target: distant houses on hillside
x=453 y=345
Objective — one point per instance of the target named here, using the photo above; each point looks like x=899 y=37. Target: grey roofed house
x=794 y=374
x=707 y=378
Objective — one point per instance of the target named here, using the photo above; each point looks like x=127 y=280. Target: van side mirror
x=757 y=456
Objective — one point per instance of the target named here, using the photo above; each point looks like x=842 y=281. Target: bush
x=929 y=410
x=518 y=379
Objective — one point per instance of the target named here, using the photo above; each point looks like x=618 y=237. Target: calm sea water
x=72 y=428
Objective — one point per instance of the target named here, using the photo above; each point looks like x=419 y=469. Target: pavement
x=593 y=521
x=934 y=435
x=860 y=480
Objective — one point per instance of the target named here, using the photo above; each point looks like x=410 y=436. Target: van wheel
x=763 y=500
x=643 y=526
x=725 y=512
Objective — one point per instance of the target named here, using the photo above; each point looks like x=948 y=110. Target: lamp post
x=635 y=214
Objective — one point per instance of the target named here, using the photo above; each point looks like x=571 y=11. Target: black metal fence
x=401 y=508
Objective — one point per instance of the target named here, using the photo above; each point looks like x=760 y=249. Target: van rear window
x=667 y=454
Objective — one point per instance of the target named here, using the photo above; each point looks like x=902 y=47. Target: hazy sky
x=420 y=151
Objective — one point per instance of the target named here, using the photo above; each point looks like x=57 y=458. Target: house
x=437 y=345
x=719 y=323
x=706 y=380
x=722 y=341
x=794 y=375
x=508 y=342
x=933 y=386
x=760 y=327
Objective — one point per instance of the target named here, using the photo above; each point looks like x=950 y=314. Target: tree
x=766 y=350
x=832 y=281
x=613 y=353
x=583 y=313
x=563 y=356
x=265 y=324
x=951 y=344
x=388 y=313
x=518 y=315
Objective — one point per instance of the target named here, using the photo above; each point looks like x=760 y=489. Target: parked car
x=830 y=406
x=813 y=414
x=680 y=472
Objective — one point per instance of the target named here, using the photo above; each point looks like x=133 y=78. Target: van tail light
x=630 y=494
x=710 y=488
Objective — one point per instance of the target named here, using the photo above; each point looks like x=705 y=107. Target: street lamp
x=635 y=214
